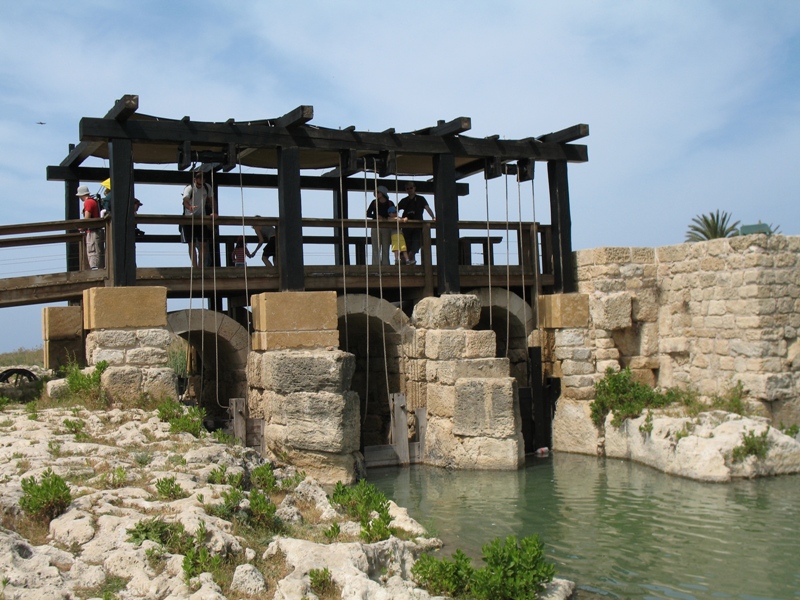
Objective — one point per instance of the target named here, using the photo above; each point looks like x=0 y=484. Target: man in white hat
x=93 y=244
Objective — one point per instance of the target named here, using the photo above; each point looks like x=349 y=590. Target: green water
x=619 y=529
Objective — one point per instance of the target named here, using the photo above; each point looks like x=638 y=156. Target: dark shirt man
x=413 y=208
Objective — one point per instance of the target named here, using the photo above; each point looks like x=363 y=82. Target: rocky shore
x=116 y=464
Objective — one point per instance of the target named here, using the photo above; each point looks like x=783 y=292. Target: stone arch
x=221 y=344
x=369 y=326
x=509 y=314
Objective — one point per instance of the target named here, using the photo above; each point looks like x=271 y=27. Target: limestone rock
x=450 y=311
x=248 y=580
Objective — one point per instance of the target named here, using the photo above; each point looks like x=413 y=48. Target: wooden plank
x=446 y=203
x=335 y=140
x=380 y=456
x=255 y=433
x=422 y=428
x=237 y=410
x=290 y=235
x=121 y=111
x=121 y=244
x=400 y=427
x=299 y=116
x=570 y=134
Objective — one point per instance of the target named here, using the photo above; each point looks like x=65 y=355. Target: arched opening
x=371 y=329
x=218 y=346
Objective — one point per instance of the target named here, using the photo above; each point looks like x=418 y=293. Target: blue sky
x=692 y=106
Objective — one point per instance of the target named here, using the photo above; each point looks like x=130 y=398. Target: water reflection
x=619 y=529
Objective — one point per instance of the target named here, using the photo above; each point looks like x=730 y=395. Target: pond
x=619 y=529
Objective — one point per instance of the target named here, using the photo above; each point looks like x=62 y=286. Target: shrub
x=332 y=532
x=168 y=489
x=732 y=400
x=626 y=398
x=189 y=422
x=76 y=427
x=752 y=445
x=218 y=475
x=171 y=536
x=262 y=512
x=169 y=410
x=321 y=582
x=360 y=501
x=263 y=478
x=444 y=577
x=86 y=388
x=225 y=438
x=45 y=499
x=514 y=570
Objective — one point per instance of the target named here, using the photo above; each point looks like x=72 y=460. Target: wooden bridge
x=287 y=149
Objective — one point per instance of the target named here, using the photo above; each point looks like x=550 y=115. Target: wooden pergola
x=293 y=147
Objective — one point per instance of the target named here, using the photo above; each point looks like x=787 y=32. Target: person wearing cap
x=398 y=240
x=381 y=237
x=91 y=211
x=197 y=203
x=414 y=208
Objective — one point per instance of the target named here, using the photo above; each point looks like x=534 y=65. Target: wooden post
x=563 y=269
x=446 y=202
x=290 y=228
x=122 y=260
x=340 y=211
x=400 y=427
x=238 y=413
x=72 y=211
x=427 y=260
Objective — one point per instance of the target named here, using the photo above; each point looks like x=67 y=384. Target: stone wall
x=705 y=315
x=473 y=417
x=127 y=328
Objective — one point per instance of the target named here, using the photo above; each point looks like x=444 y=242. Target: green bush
x=321 y=582
x=360 y=501
x=218 y=475
x=443 y=577
x=752 y=445
x=169 y=410
x=190 y=421
x=732 y=400
x=262 y=512
x=332 y=532
x=515 y=570
x=263 y=478
x=168 y=489
x=172 y=536
x=86 y=388
x=45 y=499
x=626 y=398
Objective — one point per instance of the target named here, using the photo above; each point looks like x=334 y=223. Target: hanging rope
x=345 y=250
x=191 y=241
x=488 y=245
x=380 y=276
x=521 y=258
x=366 y=289
x=217 y=320
x=508 y=270
x=244 y=237
x=398 y=233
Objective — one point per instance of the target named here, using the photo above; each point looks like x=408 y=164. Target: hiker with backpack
x=198 y=202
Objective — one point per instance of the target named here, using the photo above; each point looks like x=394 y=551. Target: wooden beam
x=122 y=260
x=446 y=203
x=334 y=140
x=454 y=127
x=252 y=180
x=121 y=111
x=299 y=116
x=570 y=134
x=290 y=234
x=562 y=227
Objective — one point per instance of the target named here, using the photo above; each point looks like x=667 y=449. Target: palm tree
x=711 y=226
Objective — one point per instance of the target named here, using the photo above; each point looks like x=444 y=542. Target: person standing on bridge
x=381 y=236
x=198 y=202
x=90 y=211
x=266 y=238
x=413 y=208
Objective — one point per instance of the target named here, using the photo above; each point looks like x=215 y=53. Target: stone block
x=122 y=384
x=575 y=367
x=492 y=454
x=445 y=344
x=486 y=408
x=645 y=305
x=124 y=307
x=160 y=384
x=289 y=371
x=480 y=344
x=414 y=342
x=320 y=421
x=558 y=311
x=441 y=399
x=450 y=311
x=151 y=357
x=62 y=322
x=155 y=338
x=294 y=311
x=60 y=353
x=284 y=340
x=111 y=338
x=645 y=376
x=610 y=255
x=612 y=311
x=450 y=371
x=325 y=467
x=573 y=430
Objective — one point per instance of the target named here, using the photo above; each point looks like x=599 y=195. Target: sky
x=693 y=106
